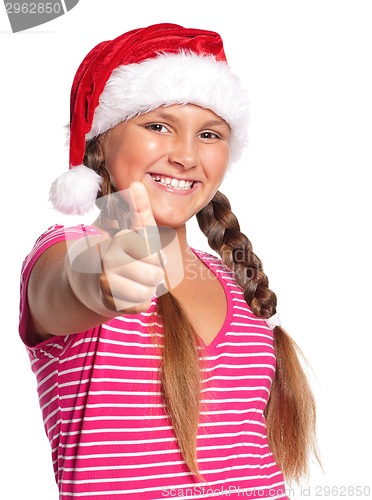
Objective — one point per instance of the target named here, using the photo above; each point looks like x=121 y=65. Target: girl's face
x=180 y=153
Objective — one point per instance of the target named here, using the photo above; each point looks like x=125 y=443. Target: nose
x=184 y=151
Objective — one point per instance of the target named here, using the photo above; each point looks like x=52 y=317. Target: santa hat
x=163 y=64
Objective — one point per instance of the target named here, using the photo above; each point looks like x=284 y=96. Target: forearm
x=55 y=307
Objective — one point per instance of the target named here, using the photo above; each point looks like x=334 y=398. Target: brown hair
x=290 y=412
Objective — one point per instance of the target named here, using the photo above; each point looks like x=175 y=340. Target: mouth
x=173 y=184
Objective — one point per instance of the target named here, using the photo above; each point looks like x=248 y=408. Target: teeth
x=174 y=183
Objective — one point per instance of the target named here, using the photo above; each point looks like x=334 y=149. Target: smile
x=173 y=183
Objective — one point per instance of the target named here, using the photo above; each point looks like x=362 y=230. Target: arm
x=54 y=307
x=63 y=300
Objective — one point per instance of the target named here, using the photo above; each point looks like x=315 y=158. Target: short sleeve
x=52 y=236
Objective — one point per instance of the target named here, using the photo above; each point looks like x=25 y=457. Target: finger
x=115 y=304
x=128 y=246
x=140 y=272
x=118 y=287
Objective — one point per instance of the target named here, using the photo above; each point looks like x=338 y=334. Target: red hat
x=163 y=64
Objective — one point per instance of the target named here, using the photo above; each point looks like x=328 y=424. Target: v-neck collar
x=229 y=303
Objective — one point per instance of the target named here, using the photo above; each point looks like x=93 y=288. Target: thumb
x=143 y=221
x=142 y=215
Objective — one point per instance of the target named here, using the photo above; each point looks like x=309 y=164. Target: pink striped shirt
x=110 y=437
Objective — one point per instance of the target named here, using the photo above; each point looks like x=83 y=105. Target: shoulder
x=212 y=261
x=206 y=256
x=60 y=232
x=56 y=234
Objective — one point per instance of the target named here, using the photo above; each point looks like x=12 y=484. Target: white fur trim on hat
x=75 y=191
x=174 y=79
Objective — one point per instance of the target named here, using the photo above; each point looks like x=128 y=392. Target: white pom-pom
x=75 y=191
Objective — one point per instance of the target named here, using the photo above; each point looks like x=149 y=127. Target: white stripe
x=128 y=344
x=237 y=367
x=154 y=405
x=118 y=442
x=54 y=386
x=50 y=416
x=42 y=382
x=85 y=340
x=127 y=356
x=49 y=402
x=172 y=463
x=109 y=393
x=107 y=367
x=161 y=452
x=232 y=389
x=233 y=400
x=244 y=355
x=160 y=476
x=112 y=405
x=228 y=411
x=111 y=355
x=44 y=367
x=150 y=417
x=120 y=430
x=156 y=393
x=245 y=344
x=51 y=429
x=130 y=332
x=110 y=418
x=237 y=377
x=247 y=334
x=172 y=439
x=112 y=380
x=129 y=319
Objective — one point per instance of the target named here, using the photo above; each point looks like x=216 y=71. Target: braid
x=222 y=229
x=94 y=159
x=290 y=413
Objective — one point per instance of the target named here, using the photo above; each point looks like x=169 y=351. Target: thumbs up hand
x=119 y=274
x=132 y=263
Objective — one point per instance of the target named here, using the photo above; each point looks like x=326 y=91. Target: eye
x=209 y=135
x=157 y=127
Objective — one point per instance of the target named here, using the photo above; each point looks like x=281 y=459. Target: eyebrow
x=214 y=123
x=169 y=116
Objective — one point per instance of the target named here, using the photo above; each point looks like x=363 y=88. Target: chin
x=171 y=223
x=170 y=217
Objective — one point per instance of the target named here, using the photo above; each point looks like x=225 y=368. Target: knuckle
x=144 y=293
x=155 y=275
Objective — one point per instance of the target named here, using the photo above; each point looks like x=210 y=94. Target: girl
x=155 y=384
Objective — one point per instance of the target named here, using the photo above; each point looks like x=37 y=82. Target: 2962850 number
x=342 y=491
x=33 y=8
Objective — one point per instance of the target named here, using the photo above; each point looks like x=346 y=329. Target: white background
x=301 y=193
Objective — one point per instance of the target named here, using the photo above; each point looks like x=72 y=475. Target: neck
x=175 y=240
x=182 y=240
x=178 y=255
